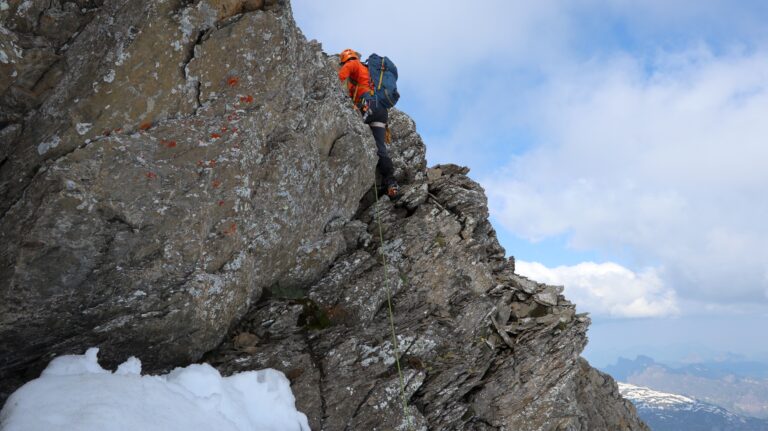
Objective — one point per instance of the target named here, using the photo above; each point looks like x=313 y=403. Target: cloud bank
x=608 y=289
x=668 y=166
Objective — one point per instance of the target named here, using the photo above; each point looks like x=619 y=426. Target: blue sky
x=621 y=143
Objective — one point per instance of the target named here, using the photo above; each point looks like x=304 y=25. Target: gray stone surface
x=187 y=181
x=480 y=347
x=156 y=237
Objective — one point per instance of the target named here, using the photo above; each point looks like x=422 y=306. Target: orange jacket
x=358 y=78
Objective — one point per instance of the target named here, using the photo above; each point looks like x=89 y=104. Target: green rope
x=389 y=305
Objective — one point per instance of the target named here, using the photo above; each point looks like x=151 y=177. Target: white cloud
x=441 y=48
x=608 y=288
x=670 y=165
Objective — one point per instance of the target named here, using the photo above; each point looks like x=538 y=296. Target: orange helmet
x=348 y=54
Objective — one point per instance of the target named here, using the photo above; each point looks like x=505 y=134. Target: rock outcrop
x=480 y=347
x=180 y=177
x=181 y=165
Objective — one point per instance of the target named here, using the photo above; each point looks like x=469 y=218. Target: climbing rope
x=389 y=306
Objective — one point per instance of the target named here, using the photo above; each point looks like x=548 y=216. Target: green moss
x=279 y=292
x=469 y=414
x=539 y=311
x=440 y=240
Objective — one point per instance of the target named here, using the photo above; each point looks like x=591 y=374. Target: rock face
x=182 y=164
x=480 y=347
x=179 y=178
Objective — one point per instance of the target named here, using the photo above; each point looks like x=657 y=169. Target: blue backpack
x=383 y=80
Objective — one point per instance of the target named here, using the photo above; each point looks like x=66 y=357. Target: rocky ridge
x=481 y=347
x=191 y=179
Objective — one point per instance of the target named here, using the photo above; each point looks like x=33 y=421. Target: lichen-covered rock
x=479 y=347
x=182 y=165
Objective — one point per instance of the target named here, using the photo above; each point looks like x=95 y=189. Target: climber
x=374 y=115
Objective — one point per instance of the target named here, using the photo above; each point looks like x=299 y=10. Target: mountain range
x=670 y=412
x=736 y=385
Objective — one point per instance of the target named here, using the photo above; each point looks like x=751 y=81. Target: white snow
x=639 y=394
x=645 y=398
x=3 y=57
x=75 y=393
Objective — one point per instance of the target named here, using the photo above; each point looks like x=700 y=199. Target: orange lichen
x=167 y=143
x=232 y=81
x=212 y=163
x=221 y=203
x=231 y=229
x=215 y=135
x=106 y=132
x=246 y=99
x=216 y=184
x=145 y=125
x=151 y=175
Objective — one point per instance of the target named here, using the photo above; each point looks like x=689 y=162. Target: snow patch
x=130 y=367
x=639 y=394
x=4 y=57
x=75 y=392
x=110 y=76
x=4 y=5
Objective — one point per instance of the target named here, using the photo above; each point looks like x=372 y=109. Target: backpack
x=383 y=80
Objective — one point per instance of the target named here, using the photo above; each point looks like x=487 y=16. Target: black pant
x=381 y=115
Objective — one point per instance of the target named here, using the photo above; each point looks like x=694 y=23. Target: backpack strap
x=381 y=75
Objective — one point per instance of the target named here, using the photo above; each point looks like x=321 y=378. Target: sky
x=622 y=145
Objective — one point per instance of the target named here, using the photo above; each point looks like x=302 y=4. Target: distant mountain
x=709 y=369
x=719 y=370
x=670 y=412
x=738 y=386
x=624 y=368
